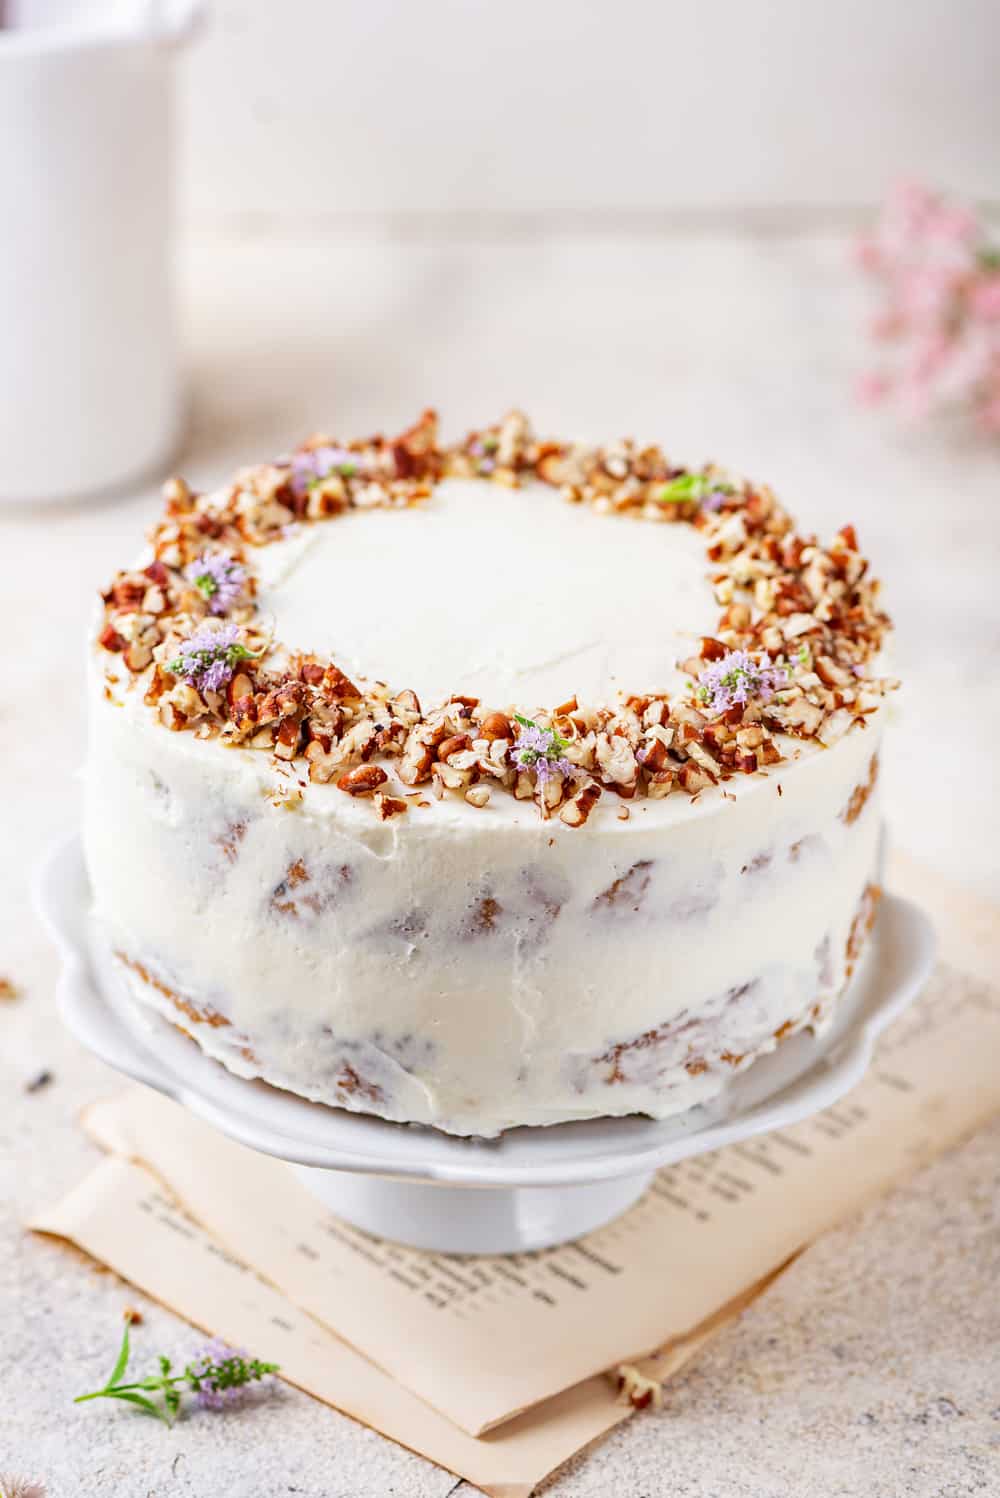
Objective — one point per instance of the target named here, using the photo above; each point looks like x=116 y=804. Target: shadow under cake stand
x=532 y=1187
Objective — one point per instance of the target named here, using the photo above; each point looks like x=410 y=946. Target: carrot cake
x=422 y=782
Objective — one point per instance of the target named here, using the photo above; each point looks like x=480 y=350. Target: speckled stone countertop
x=872 y=1369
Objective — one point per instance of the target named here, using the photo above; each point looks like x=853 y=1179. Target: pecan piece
x=337 y=686
x=286 y=744
x=137 y=656
x=578 y=809
x=712 y=649
x=389 y=806
x=453 y=745
x=661 y=783
x=111 y=639
x=496 y=726
x=362 y=781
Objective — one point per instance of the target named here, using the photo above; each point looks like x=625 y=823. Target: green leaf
x=525 y=722
x=122 y=1362
x=143 y=1403
x=684 y=487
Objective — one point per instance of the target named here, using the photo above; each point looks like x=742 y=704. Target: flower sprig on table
x=216 y=1377
x=541 y=750
x=939 y=320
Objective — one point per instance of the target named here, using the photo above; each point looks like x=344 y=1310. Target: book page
x=707 y=1229
x=186 y=1225
x=122 y=1216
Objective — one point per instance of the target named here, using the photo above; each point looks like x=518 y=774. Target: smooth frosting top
x=509 y=595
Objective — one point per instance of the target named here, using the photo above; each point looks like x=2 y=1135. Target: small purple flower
x=221 y=1367
x=692 y=488
x=219 y=579
x=318 y=463
x=484 y=449
x=738 y=678
x=540 y=749
x=208 y=659
x=713 y=501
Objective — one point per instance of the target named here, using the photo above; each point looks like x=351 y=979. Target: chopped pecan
x=496 y=726
x=711 y=649
x=286 y=741
x=389 y=806
x=362 y=781
x=137 y=655
x=418 y=752
x=453 y=745
x=337 y=687
x=578 y=808
x=111 y=639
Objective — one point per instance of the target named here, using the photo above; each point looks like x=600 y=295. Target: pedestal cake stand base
x=532 y=1187
x=479 y=1220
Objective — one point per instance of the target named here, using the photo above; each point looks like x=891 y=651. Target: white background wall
x=299 y=115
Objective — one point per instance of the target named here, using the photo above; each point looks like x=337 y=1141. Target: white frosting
x=513 y=596
x=475 y=969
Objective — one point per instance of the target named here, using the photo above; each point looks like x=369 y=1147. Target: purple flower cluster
x=540 y=749
x=483 y=450
x=319 y=462
x=737 y=679
x=698 y=488
x=222 y=1372
x=714 y=500
x=219 y=578
x=207 y=661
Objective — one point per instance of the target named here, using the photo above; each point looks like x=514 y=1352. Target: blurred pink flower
x=989 y=414
x=20 y=1487
x=873 y=387
x=984 y=298
x=939 y=316
x=955 y=223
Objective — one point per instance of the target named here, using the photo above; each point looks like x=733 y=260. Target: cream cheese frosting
x=504 y=594
x=448 y=943
x=476 y=973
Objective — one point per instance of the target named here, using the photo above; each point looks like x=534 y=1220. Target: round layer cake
x=423 y=783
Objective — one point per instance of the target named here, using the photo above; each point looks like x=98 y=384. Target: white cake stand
x=532 y=1187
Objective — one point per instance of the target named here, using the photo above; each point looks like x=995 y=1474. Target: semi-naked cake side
x=415 y=789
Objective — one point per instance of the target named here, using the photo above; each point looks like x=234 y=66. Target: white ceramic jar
x=89 y=390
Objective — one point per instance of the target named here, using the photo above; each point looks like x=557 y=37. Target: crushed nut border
x=814 y=610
